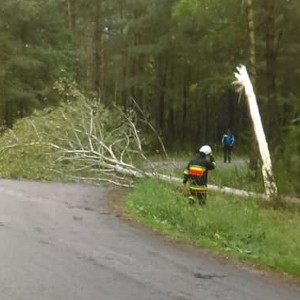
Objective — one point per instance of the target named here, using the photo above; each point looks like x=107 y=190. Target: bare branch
x=150 y=126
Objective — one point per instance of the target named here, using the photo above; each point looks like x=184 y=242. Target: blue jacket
x=227 y=139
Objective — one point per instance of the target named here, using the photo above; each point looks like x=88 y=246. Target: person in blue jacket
x=227 y=142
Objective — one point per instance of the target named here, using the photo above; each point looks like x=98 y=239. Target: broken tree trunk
x=244 y=82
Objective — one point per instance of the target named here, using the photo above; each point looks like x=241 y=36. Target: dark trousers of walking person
x=227 y=153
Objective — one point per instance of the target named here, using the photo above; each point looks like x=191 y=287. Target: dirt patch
x=115 y=205
x=116 y=200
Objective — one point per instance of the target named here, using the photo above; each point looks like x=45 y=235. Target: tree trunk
x=161 y=112
x=98 y=51
x=252 y=41
x=69 y=14
x=253 y=165
x=184 y=111
x=8 y=115
x=272 y=106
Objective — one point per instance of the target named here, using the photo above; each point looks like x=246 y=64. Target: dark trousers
x=227 y=153
x=200 y=196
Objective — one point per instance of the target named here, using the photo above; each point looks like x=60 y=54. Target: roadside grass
x=248 y=229
x=237 y=175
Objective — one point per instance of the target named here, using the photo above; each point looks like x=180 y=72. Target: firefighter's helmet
x=206 y=150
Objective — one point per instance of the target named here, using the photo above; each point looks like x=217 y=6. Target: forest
x=175 y=59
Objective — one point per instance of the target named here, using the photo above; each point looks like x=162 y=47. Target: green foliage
x=66 y=142
x=66 y=90
x=205 y=12
x=241 y=228
x=34 y=46
x=24 y=154
x=287 y=164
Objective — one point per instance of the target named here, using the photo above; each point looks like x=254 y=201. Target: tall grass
x=243 y=228
x=237 y=175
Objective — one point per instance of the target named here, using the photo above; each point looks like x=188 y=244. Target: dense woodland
x=175 y=58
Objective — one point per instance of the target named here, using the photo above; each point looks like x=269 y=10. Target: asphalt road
x=61 y=242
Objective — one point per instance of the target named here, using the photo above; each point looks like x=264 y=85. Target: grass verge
x=243 y=228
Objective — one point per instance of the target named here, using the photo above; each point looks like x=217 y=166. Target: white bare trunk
x=244 y=81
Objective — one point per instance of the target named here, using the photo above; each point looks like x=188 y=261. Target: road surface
x=61 y=242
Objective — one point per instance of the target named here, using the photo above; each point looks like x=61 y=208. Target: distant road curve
x=61 y=242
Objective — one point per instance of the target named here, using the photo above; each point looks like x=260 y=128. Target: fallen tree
x=89 y=142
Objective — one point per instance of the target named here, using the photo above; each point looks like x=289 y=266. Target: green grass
x=236 y=175
x=242 y=228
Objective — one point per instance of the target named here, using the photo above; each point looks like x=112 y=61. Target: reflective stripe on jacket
x=196 y=172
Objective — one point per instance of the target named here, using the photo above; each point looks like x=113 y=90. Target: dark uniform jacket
x=197 y=170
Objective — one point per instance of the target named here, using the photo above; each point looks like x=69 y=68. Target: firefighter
x=196 y=174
